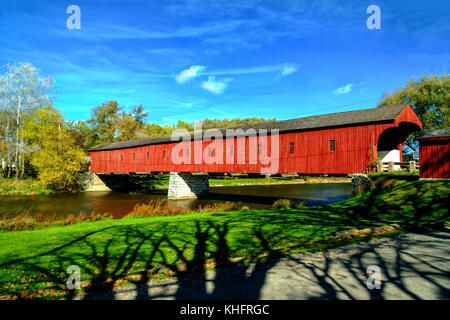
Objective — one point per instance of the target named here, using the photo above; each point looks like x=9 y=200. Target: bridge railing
x=389 y=166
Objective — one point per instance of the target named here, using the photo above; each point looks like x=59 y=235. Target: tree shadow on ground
x=405 y=273
x=136 y=254
x=214 y=258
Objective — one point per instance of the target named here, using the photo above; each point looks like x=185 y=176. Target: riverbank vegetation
x=159 y=207
x=22 y=187
x=135 y=249
x=161 y=182
x=238 y=181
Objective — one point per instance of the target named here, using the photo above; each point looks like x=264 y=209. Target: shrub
x=19 y=223
x=287 y=204
x=301 y=204
x=161 y=207
x=38 y=221
x=97 y=216
x=69 y=219
x=284 y=204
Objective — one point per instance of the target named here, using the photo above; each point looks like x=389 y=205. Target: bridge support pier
x=92 y=182
x=187 y=185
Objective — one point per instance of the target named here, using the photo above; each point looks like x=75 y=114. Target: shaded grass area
x=133 y=250
x=29 y=186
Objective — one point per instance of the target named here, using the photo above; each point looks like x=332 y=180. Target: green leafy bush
x=287 y=204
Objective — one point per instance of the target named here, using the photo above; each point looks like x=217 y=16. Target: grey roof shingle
x=382 y=114
x=441 y=133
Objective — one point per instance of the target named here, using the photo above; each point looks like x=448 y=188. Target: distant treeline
x=109 y=123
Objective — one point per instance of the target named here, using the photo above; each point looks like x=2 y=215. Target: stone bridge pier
x=184 y=185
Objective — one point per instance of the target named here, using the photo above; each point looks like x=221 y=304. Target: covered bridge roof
x=382 y=114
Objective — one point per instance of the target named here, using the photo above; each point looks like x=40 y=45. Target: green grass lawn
x=34 y=263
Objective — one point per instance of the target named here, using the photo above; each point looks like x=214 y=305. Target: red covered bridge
x=338 y=143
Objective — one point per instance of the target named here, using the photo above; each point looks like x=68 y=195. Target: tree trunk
x=8 y=153
x=17 y=160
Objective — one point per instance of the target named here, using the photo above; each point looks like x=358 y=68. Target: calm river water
x=120 y=203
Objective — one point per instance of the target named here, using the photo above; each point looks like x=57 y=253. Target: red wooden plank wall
x=434 y=155
x=312 y=155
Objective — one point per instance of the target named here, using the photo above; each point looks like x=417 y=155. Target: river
x=119 y=204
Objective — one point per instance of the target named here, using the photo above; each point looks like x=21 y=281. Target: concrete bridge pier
x=106 y=182
x=184 y=185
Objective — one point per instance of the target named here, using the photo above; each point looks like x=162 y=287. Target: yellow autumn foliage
x=53 y=152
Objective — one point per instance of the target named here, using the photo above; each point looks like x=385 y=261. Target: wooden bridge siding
x=408 y=115
x=434 y=158
x=353 y=146
x=312 y=154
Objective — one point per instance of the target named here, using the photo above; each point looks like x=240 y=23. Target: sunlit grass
x=109 y=252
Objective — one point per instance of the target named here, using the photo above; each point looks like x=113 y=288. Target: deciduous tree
x=429 y=96
x=55 y=155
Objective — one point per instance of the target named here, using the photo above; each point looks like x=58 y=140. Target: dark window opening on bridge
x=259 y=149
x=164 y=153
x=291 y=147
x=148 y=155
x=121 y=157
x=332 y=145
x=134 y=157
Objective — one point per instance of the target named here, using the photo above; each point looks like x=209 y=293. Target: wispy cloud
x=343 y=90
x=188 y=74
x=106 y=30
x=216 y=86
x=249 y=70
x=288 y=70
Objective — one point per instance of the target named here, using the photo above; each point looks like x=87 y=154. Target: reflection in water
x=120 y=203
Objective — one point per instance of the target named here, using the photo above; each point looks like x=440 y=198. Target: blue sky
x=194 y=59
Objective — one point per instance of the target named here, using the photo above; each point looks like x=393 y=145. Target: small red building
x=434 y=154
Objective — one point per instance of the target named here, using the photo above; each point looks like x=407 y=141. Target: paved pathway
x=413 y=266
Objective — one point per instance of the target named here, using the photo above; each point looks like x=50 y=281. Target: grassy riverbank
x=275 y=180
x=113 y=252
x=162 y=182
x=22 y=187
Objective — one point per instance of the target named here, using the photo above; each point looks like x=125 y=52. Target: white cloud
x=216 y=86
x=255 y=69
x=188 y=74
x=288 y=70
x=343 y=90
